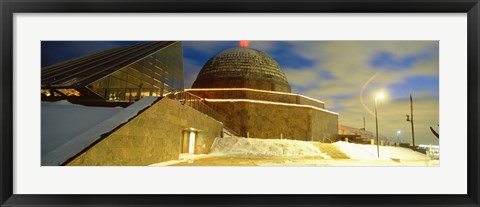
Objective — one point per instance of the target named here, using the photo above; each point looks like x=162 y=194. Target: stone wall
x=272 y=121
x=324 y=125
x=240 y=82
x=153 y=136
x=309 y=102
x=257 y=95
x=234 y=115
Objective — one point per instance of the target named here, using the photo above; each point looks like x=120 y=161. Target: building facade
x=250 y=91
x=123 y=74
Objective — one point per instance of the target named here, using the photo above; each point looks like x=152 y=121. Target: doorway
x=191 y=142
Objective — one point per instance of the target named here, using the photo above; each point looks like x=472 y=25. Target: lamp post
x=378 y=96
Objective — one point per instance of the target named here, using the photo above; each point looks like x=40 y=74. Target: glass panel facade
x=45 y=92
x=69 y=91
x=154 y=75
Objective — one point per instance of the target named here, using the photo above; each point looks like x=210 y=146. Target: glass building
x=122 y=74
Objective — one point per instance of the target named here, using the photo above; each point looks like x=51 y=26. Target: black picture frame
x=10 y=7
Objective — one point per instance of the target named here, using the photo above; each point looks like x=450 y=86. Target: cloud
x=301 y=77
x=348 y=63
x=265 y=46
x=389 y=61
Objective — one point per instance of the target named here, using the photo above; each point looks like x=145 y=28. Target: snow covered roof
x=67 y=129
x=61 y=120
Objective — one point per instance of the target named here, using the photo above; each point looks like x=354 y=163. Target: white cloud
x=265 y=46
x=301 y=77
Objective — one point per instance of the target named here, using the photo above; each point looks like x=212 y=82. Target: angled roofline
x=88 y=69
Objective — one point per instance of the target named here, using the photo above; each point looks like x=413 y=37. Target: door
x=191 y=142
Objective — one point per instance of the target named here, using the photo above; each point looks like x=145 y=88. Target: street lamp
x=378 y=96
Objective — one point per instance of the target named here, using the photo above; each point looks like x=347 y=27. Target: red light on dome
x=244 y=43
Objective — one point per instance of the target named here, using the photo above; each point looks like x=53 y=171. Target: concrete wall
x=262 y=120
x=257 y=95
x=153 y=136
x=324 y=125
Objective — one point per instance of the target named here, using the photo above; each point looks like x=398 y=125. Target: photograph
x=240 y=103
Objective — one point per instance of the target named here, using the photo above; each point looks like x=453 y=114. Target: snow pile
x=369 y=152
x=239 y=146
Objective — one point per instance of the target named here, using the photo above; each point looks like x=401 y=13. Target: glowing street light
x=378 y=96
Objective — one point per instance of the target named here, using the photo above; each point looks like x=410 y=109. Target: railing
x=231 y=131
x=327 y=139
x=186 y=98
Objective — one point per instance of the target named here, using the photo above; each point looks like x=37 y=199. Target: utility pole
x=376 y=128
x=411 y=121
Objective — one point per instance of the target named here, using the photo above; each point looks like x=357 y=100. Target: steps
x=331 y=150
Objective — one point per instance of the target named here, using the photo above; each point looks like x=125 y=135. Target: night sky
x=346 y=75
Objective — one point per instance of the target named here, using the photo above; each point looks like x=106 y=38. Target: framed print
x=262 y=103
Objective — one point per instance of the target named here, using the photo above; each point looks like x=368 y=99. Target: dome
x=242 y=68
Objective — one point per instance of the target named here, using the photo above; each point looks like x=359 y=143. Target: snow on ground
x=240 y=151
x=212 y=160
x=68 y=145
x=190 y=158
x=369 y=152
x=346 y=163
x=238 y=146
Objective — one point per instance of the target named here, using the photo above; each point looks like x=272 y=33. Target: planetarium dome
x=242 y=67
